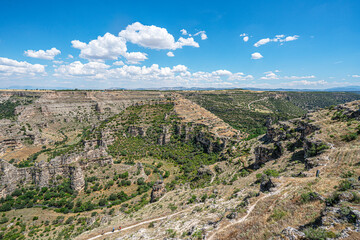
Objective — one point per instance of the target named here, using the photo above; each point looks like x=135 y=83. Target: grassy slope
x=248 y=110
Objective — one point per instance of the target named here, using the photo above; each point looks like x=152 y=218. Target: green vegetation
x=7 y=107
x=318 y=234
x=248 y=111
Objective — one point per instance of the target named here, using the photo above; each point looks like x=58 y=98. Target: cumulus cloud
x=135 y=57
x=278 y=38
x=306 y=83
x=299 y=77
x=10 y=67
x=108 y=47
x=269 y=76
x=154 y=37
x=245 y=37
x=183 y=32
x=222 y=73
x=170 y=54
x=79 y=69
x=202 y=35
x=262 y=42
x=256 y=55
x=70 y=56
x=178 y=75
x=356 y=76
x=47 y=54
x=118 y=63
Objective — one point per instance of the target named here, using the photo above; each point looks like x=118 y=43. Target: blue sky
x=135 y=44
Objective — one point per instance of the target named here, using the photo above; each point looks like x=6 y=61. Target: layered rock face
x=287 y=136
x=43 y=174
x=47 y=110
x=158 y=191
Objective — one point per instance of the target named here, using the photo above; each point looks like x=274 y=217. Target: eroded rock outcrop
x=158 y=191
x=44 y=174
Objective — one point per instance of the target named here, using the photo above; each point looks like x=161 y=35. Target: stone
x=231 y=215
x=158 y=191
x=265 y=183
x=291 y=233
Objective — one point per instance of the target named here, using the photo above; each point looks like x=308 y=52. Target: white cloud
x=79 y=69
x=170 y=54
x=202 y=35
x=10 y=67
x=179 y=68
x=70 y=56
x=262 y=42
x=269 y=76
x=245 y=37
x=135 y=57
x=299 y=77
x=222 y=73
x=240 y=76
x=306 y=83
x=185 y=42
x=58 y=62
x=47 y=54
x=183 y=32
x=278 y=38
x=154 y=37
x=290 y=38
x=118 y=63
x=256 y=55
x=178 y=75
x=356 y=76
x=108 y=47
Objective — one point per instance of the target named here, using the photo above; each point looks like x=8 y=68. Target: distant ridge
x=336 y=89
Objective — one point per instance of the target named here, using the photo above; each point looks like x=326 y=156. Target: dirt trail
x=249 y=104
x=244 y=218
x=141 y=223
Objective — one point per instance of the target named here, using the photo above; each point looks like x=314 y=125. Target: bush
x=4 y=220
x=349 y=137
x=192 y=199
x=102 y=202
x=345 y=185
x=271 y=172
x=278 y=214
x=308 y=197
x=318 y=234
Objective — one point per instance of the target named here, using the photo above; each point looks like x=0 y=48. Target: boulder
x=265 y=183
x=291 y=233
x=158 y=191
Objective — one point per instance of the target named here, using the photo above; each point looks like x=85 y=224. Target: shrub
x=349 y=137
x=102 y=202
x=308 y=197
x=192 y=199
x=318 y=234
x=4 y=220
x=278 y=214
x=271 y=172
x=345 y=185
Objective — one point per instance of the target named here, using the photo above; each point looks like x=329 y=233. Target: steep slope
x=248 y=111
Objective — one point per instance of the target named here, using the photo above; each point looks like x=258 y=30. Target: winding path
x=142 y=223
x=244 y=218
x=261 y=99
